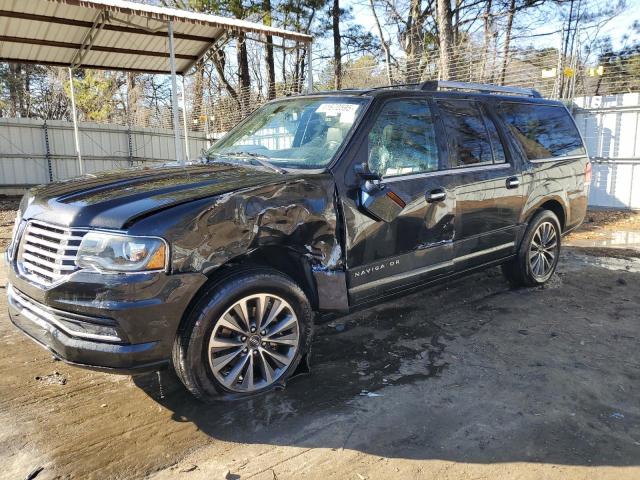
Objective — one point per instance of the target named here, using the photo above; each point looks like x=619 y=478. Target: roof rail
x=479 y=87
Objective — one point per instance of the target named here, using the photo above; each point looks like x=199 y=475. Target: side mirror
x=375 y=198
x=379 y=201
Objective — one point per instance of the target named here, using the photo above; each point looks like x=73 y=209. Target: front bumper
x=119 y=323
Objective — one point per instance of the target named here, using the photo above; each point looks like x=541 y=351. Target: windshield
x=296 y=133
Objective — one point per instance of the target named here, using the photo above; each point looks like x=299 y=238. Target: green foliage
x=91 y=90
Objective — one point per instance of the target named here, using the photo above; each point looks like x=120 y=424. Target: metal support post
x=174 y=97
x=75 y=121
x=184 y=121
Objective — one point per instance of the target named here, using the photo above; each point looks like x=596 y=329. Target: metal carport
x=119 y=35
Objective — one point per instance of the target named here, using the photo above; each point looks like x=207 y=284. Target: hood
x=116 y=199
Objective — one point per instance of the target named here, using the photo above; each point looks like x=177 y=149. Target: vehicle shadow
x=472 y=372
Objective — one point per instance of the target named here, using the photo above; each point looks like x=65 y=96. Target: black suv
x=313 y=204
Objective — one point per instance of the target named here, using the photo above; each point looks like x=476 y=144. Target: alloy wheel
x=253 y=342
x=543 y=250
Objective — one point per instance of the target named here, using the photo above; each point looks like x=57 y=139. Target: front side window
x=403 y=140
x=543 y=131
x=466 y=129
x=300 y=133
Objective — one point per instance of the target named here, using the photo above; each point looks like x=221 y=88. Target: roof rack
x=434 y=85
x=396 y=85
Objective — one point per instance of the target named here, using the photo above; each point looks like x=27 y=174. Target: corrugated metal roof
x=133 y=37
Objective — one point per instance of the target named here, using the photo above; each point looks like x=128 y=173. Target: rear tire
x=538 y=254
x=245 y=335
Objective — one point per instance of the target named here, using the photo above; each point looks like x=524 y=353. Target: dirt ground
x=470 y=380
x=8 y=207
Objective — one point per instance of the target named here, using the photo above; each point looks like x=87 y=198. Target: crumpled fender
x=298 y=214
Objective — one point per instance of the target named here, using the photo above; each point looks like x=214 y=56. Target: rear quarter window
x=543 y=131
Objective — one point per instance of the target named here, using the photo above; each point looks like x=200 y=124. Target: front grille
x=48 y=252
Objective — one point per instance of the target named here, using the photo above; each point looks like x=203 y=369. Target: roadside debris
x=337 y=325
x=367 y=393
x=55 y=378
x=160 y=389
x=34 y=473
x=191 y=468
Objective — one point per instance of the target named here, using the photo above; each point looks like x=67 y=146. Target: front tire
x=245 y=335
x=538 y=254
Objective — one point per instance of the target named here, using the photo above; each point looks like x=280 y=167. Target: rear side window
x=473 y=138
x=543 y=131
x=403 y=140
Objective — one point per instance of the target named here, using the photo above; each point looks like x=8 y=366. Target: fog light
x=89 y=330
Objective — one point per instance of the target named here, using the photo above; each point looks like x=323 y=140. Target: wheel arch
x=278 y=258
x=554 y=204
x=325 y=289
x=558 y=209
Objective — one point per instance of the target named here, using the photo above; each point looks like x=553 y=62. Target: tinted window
x=544 y=131
x=466 y=131
x=403 y=140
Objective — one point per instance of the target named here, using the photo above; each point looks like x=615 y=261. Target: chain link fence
x=213 y=103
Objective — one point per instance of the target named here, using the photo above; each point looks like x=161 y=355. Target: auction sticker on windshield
x=346 y=111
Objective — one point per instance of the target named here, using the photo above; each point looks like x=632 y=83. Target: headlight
x=112 y=252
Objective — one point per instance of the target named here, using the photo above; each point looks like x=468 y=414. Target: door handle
x=436 y=195
x=513 y=182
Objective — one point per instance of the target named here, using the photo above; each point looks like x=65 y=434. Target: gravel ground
x=469 y=380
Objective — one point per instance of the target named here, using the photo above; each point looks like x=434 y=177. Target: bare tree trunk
x=15 y=86
x=271 y=68
x=198 y=91
x=132 y=97
x=413 y=41
x=301 y=71
x=284 y=66
x=26 y=105
x=456 y=26
x=244 y=75
x=565 y=50
x=295 y=76
x=487 y=40
x=219 y=64
x=385 y=45
x=337 y=53
x=507 y=40
x=445 y=31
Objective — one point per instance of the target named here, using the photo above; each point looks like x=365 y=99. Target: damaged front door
x=390 y=252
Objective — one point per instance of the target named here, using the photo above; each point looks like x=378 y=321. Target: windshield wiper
x=261 y=159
